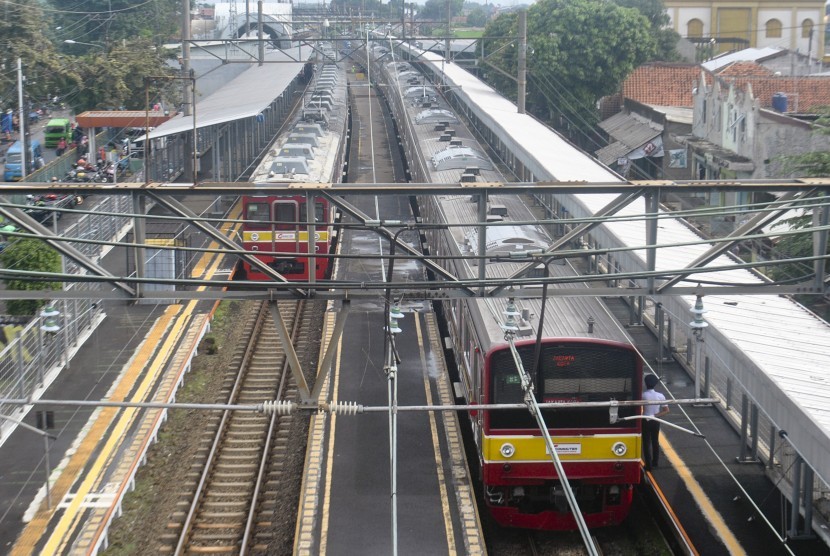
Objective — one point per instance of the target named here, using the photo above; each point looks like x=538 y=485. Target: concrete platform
x=347 y=499
x=708 y=489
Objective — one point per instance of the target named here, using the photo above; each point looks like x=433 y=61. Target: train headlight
x=507 y=450
x=619 y=449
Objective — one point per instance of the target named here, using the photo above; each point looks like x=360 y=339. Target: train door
x=318 y=242
x=285 y=233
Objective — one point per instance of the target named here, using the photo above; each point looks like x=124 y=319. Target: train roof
x=310 y=148
x=571 y=313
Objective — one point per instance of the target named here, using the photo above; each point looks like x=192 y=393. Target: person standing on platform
x=651 y=428
x=61 y=148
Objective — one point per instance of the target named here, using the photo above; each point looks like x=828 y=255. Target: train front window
x=319 y=212
x=256 y=213
x=569 y=373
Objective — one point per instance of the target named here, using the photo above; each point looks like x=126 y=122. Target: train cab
x=277 y=229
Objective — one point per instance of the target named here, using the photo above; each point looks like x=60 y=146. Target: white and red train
x=585 y=355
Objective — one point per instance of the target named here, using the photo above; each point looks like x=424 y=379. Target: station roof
x=244 y=97
x=121 y=118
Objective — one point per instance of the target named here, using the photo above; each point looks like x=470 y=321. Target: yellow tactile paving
x=173 y=316
x=73 y=513
x=36 y=528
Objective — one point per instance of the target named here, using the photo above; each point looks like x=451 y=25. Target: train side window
x=257 y=212
x=285 y=214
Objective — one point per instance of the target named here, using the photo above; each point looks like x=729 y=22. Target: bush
x=35 y=256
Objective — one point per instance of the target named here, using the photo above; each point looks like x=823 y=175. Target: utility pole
x=261 y=43
x=449 y=27
x=522 y=79
x=22 y=125
x=189 y=89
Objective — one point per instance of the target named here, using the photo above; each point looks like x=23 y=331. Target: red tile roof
x=665 y=84
x=662 y=84
x=744 y=69
x=804 y=94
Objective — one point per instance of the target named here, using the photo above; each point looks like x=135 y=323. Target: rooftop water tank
x=779 y=102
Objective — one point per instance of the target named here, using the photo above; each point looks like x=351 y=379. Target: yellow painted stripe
x=281 y=236
x=36 y=528
x=533 y=448
x=126 y=420
x=439 y=462
x=324 y=522
x=227 y=228
x=702 y=500
x=73 y=514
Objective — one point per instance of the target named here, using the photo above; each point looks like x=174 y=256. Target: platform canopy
x=121 y=118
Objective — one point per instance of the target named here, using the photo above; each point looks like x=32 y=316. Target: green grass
x=468 y=33
x=463 y=33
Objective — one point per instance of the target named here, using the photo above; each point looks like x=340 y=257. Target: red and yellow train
x=312 y=150
x=275 y=227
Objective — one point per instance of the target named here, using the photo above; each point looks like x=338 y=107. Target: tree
x=813 y=165
x=437 y=9
x=30 y=255
x=665 y=37
x=477 y=17
x=578 y=52
x=115 y=79
x=22 y=32
x=110 y=21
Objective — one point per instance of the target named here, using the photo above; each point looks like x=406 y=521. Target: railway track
x=230 y=500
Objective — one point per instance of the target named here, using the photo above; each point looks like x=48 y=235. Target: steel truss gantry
x=788 y=195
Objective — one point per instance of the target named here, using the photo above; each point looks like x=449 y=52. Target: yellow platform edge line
x=36 y=529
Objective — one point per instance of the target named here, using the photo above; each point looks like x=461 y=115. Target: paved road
x=36 y=132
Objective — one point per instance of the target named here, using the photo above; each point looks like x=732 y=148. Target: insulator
x=277 y=407
x=346 y=408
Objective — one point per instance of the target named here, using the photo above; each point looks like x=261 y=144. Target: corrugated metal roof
x=745 y=55
x=612 y=152
x=630 y=129
x=244 y=97
x=630 y=132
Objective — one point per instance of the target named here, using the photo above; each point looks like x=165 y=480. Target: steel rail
x=187 y=525
x=272 y=424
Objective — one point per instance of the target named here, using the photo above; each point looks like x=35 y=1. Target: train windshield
x=257 y=212
x=576 y=372
x=319 y=212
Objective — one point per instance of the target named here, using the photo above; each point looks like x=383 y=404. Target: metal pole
x=796 y=498
x=21 y=367
x=522 y=77
x=147 y=165
x=139 y=236
x=744 y=427
x=22 y=125
x=41 y=368
x=447 y=39
x=192 y=79
x=261 y=50
x=48 y=470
